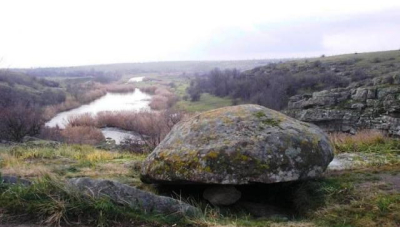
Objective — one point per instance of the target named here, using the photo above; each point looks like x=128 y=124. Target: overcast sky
x=43 y=33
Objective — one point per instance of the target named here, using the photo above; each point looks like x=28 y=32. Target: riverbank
x=120 y=112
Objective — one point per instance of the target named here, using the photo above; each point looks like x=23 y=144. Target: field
x=364 y=195
x=206 y=102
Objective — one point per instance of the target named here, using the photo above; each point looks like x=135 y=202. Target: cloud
x=361 y=33
x=61 y=33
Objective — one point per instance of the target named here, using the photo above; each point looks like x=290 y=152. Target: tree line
x=274 y=84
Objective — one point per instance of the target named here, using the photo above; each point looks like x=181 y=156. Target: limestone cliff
x=373 y=104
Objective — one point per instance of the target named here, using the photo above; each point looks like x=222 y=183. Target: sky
x=51 y=33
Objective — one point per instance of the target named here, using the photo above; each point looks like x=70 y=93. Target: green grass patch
x=53 y=203
x=68 y=161
x=206 y=102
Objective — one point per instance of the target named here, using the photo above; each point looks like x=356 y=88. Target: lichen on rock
x=239 y=145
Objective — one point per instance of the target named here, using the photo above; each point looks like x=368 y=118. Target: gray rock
x=239 y=145
x=357 y=107
x=383 y=92
x=360 y=94
x=347 y=161
x=371 y=94
x=396 y=79
x=133 y=197
x=222 y=195
x=14 y=180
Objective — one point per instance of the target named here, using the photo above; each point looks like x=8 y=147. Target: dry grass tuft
x=26 y=170
x=359 y=142
x=81 y=120
x=361 y=137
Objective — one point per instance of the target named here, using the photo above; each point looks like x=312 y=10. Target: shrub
x=82 y=135
x=50 y=133
x=163 y=99
x=158 y=102
x=51 y=111
x=82 y=120
x=151 y=126
x=19 y=121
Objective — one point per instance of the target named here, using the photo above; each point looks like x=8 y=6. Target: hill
x=321 y=84
x=189 y=67
x=20 y=88
x=272 y=85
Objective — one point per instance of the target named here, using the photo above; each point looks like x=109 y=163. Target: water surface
x=136 y=79
x=119 y=135
x=132 y=101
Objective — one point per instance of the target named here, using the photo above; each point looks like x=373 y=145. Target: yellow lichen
x=212 y=154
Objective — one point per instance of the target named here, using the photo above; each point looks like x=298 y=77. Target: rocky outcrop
x=375 y=105
x=239 y=145
x=133 y=197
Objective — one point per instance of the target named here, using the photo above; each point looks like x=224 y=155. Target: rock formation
x=239 y=145
x=374 y=105
x=133 y=197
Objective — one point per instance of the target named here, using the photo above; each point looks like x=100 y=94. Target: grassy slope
x=377 y=63
x=374 y=63
x=206 y=102
x=365 y=196
x=25 y=85
x=32 y=161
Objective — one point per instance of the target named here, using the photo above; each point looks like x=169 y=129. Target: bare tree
x=19 y=121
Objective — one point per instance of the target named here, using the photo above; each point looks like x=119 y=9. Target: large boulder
x=239 y=145
x=135 y=198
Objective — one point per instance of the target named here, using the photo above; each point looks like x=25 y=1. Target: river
x=132 y=101
x=136 y=79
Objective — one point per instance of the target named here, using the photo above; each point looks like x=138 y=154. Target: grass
x=379 y=150
x=206 y=102
x=67 y=161
x=50 y=202
x=362 y=197
x=349 y=205
x=364 y=141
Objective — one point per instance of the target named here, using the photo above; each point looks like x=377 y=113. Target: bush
x=54 y=134
x=159 y=102
x=82 y=135
x=269 y=86
x=19 y=121
x=151 y=126
x=82 y=120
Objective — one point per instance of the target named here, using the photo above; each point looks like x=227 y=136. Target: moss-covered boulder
x=239 y=145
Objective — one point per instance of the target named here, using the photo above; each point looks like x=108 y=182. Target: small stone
x=222 y=195
x=14 y=180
